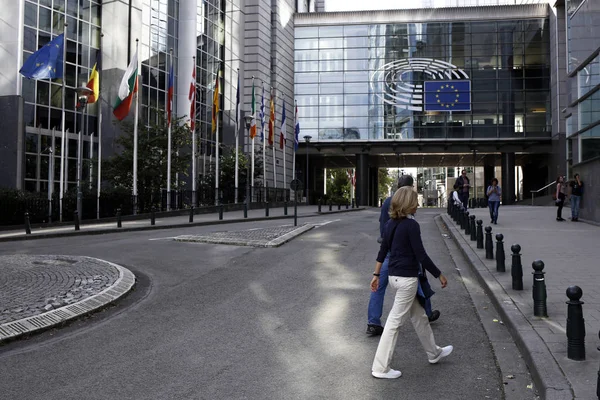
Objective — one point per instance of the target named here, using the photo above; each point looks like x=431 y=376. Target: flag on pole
x=296 y=128
x=253 y=122
x=47 y=62
x=170 y=93
x=237 y=106
x=282 y=132
x=192 y=99
x=272 y=122
x=351 y=176
x=127 y=88
x=215 y=108
x=94 y=85
x=262 y=115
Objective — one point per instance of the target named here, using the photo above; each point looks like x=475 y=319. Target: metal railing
x=533 y=192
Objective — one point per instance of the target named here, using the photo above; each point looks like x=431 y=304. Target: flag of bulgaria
x=128 y=87
x=253 y=122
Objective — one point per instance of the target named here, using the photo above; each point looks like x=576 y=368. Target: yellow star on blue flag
x=47 y=62
x=447 y=95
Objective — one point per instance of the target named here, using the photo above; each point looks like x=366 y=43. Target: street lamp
x=307 y=140
x=248 y=121
x=82 y=99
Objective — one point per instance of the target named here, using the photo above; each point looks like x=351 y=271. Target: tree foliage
x=338 y=185
x=152 y=157
x=386 y=181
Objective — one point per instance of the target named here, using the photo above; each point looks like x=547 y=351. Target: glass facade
x=44 y=20
x=366 y=82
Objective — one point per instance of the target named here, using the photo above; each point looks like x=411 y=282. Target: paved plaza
x=570 y=252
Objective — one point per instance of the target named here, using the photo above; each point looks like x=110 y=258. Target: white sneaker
x=444 y=353
x=391 y=374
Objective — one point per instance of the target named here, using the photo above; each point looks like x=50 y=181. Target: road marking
x=325 y=223
x=165 y=238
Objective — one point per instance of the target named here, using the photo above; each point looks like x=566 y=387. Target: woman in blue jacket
x=494 y=193
x=402 y=239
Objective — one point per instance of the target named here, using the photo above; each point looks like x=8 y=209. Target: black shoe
x=435 y=314
x=374 y=330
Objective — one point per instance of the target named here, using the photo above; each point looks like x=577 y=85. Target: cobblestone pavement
x=31 y=285
x=259 y=237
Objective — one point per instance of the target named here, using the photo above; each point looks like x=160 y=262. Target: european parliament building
x=490 y=85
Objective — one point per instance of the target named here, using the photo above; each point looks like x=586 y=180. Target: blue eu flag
x=47 y=62
x=448 y=96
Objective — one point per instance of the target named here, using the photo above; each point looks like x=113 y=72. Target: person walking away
x=494 y=193
x=561 y=190
x=402 y=240
x=464 y=185
x=576 y=193
x=375 y=308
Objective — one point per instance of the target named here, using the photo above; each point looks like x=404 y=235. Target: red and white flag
x=192 y=99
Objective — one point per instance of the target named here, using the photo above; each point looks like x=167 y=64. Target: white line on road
x=165 y=238
x=325 y=223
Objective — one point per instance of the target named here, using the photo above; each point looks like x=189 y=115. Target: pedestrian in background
x=464 y=185
x=561 y=190
x=576 y=193
x=494 y=193
x=402 y=240
x=456 y=197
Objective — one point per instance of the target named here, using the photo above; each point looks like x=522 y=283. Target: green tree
x=338 y=185
x=385 y=182
x=152 y=158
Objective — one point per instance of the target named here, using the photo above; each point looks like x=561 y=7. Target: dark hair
x=558 y=178
x=495 y=179
x=575 y=176
x=455 y=186
x=405 y=180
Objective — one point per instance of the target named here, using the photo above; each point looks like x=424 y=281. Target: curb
x=25 y=326
x=34 y=236
x=545 y=371
x=255 y=243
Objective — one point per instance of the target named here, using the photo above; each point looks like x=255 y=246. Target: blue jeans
x=376 y=300
x=575 y=201
x=493 y=205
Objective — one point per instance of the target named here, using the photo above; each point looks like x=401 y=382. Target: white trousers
x=405 y=305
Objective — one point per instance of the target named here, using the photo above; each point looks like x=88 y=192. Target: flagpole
x=135 y=133
x=262 y=126
x=253 y=109
x=237 y=136
x=294 y=157
x=194 y=174
x=63 y=134
x=169 y=139
x=51 y=175
x=91 y=157
x=273 y=146
x=284 y=149
x=99 y=173
x=217 y=145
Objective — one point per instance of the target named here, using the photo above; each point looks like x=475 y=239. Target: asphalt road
x=225 y=322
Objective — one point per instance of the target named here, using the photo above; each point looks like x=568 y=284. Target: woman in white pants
x=402 y=238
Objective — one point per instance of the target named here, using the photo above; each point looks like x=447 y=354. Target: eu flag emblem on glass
x=47 y=62
x=448 y=96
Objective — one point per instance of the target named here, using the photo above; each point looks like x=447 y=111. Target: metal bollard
x=516 y=269
x=500 y=256
x=353 y=202
x=473 y=229
x=479 y=234
x=539 y=290
x=285 y=208
x=380 y=203
x=152 y=216
x=119 y=218
x=267 y=209
x=575 y=325
x=463 y=214
x=330 y=205
x=467 y=224
x=489 y=244
x=319 y=204
x=339 y=206
x=220 y=211
x=346 y=205
x=245 y=210
x=449 y=207
x=76 y=219
x=27 y=224
x=192 y=214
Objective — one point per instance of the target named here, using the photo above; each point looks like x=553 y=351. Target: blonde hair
x=404 y=201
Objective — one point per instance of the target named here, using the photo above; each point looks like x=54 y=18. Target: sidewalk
x=91 y=227
x=571 y=254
